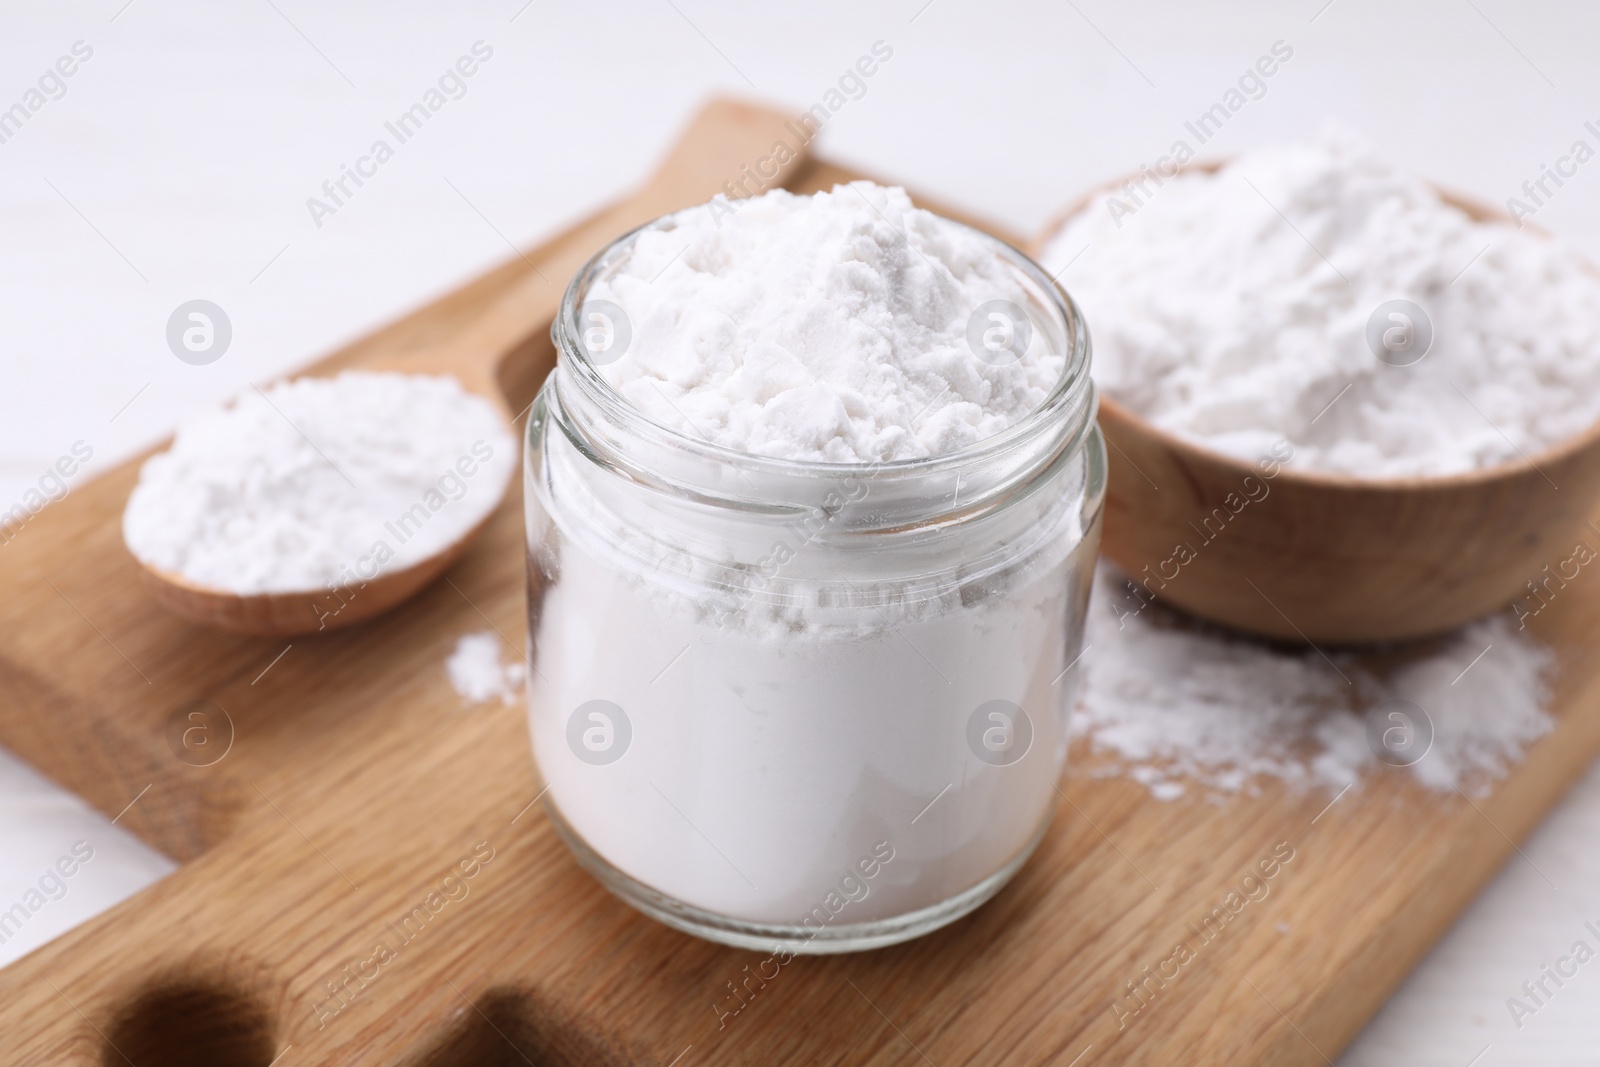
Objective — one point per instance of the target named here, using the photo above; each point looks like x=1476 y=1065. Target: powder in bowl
x=1255 y=304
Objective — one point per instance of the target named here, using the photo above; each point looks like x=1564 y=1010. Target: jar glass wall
x=809 y=705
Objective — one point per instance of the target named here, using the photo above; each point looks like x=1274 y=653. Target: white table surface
x=61 y=861
x=178 y=164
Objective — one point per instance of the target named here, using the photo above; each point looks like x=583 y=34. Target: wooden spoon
x=724 y=143
x=1328 y=557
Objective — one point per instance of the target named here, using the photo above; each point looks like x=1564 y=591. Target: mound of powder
x=1233 y=308
x=477 y=672
x=829 y=328
x=1172 y=702
x=316 y=483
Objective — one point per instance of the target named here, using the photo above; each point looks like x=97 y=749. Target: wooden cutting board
x=353 y=781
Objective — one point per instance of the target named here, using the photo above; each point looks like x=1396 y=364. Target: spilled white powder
x=316 y=483
x=1176 y=704
x=830 y=328
x=1232 y=308
x=478 y=673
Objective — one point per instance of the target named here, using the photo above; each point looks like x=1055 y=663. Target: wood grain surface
x=359 y=804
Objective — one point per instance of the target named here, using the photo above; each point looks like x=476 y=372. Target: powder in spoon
x=830 y=328
x=1251 y=305
x=317 y=483
x=1174 y=703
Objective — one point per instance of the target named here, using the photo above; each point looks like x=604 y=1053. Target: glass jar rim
x=1069 y=406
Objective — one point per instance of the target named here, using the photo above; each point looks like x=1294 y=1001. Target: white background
x=179 y=162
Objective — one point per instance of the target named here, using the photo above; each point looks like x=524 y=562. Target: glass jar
x=804 y=706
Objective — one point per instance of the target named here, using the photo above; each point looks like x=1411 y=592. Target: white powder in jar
x=1179 y=705
x=830 y=328
x=318 y=483
x=1233 y=309
x=763 y=763
x=739 y=728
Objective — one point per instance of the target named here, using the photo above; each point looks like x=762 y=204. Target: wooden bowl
x=1329 y=558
